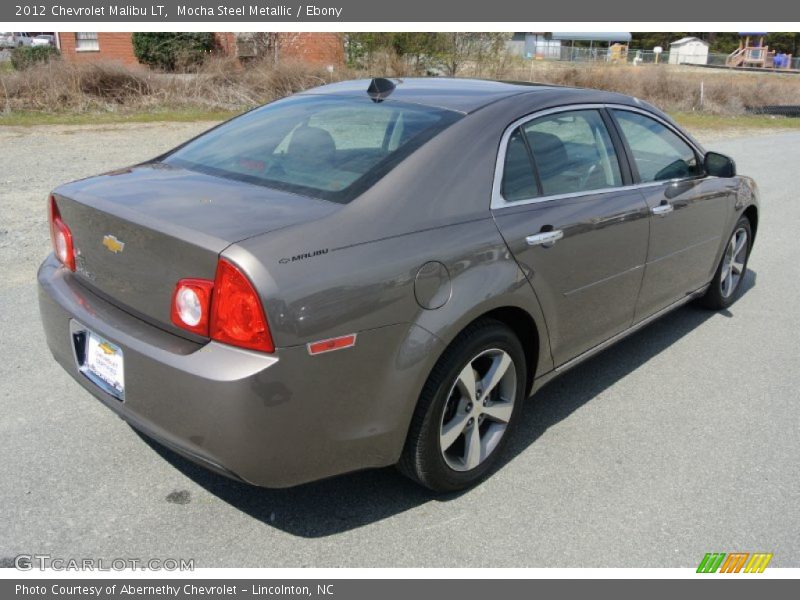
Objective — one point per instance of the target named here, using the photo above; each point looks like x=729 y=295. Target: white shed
x=690 y=50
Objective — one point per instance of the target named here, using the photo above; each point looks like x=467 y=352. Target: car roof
x=469 y=95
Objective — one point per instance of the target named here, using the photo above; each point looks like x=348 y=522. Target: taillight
x=191 y=305
x=237 y=316
x=61 y=237
x=227 y=309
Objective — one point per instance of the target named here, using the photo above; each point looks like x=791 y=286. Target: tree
x=649 y=40
x=421 y=48
x=448 y=52
x=788 y=42
x=458 y=49
x=172 y=50
x=360 y=47
x=723 y=43
x=25 y=57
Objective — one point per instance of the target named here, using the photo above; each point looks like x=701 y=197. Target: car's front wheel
x=467 y=409
x=727 y=283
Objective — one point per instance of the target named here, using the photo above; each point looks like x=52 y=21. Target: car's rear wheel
x=467 y=409
x=727 y=283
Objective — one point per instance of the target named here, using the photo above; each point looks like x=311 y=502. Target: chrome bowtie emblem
x=113 y=244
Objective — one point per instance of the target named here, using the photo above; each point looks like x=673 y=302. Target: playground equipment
x=752 y=52
x=617 y=52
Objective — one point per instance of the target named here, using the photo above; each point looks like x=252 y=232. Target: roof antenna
x=380 y=88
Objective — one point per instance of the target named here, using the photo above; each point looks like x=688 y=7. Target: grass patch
x=187 y=115
x=59 y=92
x=720 y=122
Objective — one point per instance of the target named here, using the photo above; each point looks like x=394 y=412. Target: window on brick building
x=86 y=40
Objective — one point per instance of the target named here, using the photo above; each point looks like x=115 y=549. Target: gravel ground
x=681 y=440
x=37 y=159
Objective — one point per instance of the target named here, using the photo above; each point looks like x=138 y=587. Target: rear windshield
x=329 y=147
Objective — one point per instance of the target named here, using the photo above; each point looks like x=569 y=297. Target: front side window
x=573 y=152
x=86 y=40
x=329 y=147
x=659 y=153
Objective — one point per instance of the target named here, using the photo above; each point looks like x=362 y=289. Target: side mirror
x=719 y=165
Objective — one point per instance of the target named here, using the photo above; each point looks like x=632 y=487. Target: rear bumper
x=272 y=420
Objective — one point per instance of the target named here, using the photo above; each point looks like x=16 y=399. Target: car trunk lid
x=138 y=231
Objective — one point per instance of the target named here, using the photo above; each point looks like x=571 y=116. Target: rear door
x=688 y=209
x=579 y=234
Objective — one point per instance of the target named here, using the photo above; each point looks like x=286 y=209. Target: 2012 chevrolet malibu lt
x=379 y=272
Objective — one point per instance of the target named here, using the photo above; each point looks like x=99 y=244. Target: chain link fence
x=612 y=55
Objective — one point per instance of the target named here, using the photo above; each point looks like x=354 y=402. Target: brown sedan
x=380 y=272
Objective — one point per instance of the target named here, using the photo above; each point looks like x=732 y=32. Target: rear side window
x=659 y=153
x=573 y=152
x=329 y=147
x=519 y=182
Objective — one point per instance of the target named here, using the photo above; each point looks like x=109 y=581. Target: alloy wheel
x=733 y=263
x=478 y=409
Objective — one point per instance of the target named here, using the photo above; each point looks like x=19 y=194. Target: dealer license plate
x=104 y=365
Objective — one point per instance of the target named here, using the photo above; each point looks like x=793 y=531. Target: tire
x=723 y=291
x=430 y=456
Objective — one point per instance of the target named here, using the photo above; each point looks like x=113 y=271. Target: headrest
x=311 y=144
x=549 y=152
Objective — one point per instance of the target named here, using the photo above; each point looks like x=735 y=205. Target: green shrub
x=25 y=57
x=172 y=51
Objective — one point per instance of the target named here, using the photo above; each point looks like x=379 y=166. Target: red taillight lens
x=61 y=237
x=227 y=309
x=191 y=305
x=237 y=317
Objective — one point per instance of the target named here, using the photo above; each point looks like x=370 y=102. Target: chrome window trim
x=498 y=201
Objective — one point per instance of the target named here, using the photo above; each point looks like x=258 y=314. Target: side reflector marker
x=337 y=343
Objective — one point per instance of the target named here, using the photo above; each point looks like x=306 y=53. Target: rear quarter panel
x=369 y=289
x=352 y=288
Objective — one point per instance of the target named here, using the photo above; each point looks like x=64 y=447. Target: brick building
x=91 y=46
x=320 y=48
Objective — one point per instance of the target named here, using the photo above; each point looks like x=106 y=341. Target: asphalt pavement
x=681 y=440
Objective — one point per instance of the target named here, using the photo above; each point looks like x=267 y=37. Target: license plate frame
x=103 y=363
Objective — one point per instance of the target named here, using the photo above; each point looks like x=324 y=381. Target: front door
x=578 y=235
x=688 y=211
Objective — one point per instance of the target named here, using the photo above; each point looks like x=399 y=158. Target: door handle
x=545 y=239
x=662 y=209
